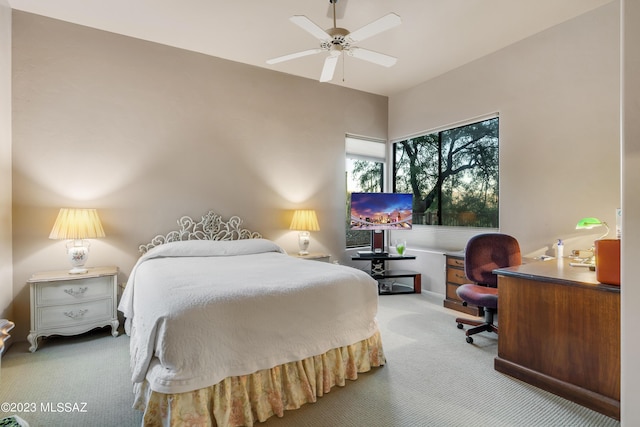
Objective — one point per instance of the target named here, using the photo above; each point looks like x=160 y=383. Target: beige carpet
x=432 y=378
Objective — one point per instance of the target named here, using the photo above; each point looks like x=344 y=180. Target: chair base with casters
x=482 y=296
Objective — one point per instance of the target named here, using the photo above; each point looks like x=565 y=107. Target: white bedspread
x=201 y=311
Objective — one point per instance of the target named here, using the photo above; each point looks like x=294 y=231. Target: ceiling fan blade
x=294 y=56
x=383 y=24
x=371 y=56
x=329 y=67
x=309 y=26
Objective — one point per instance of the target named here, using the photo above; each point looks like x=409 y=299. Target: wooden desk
x=560 y=331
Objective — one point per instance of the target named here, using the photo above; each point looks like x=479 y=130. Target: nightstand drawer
x=71 y=291
x=73 y=314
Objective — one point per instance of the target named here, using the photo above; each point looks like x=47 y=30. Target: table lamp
x=76 y=225
x=304 y=221
x=589 y=223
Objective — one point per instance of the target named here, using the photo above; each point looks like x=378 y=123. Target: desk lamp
x=76 y=225
x=587 y=224
x=304 y=221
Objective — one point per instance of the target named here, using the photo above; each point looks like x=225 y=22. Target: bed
x=226 y=329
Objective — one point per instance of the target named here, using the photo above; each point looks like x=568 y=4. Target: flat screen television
x=381 y=211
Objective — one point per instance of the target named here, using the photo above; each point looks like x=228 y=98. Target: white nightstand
x=71 y=304
x=314 y=256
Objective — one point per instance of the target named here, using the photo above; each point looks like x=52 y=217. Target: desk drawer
x=72 y=291
x=456 y=276
x=74 y=314
x=451 y=292
x=455 y=262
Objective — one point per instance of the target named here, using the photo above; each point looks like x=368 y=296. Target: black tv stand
x=386 y=284
x=366 y=254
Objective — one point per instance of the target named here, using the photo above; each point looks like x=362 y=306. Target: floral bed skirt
x=247 y=399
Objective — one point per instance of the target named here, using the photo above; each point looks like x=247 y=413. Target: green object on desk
x=590 y=222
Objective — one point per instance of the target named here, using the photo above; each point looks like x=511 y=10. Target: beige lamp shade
x=75 y=224
x=305 y=220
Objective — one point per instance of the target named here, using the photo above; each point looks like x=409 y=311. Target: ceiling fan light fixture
x=338 y=32
x=336 y=40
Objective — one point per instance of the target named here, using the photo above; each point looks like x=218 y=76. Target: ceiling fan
x=336 y=40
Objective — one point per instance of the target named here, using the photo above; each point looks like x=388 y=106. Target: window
x=364 y=174
x=453 y=175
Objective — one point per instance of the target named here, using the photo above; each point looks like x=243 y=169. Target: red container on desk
x=608 y=261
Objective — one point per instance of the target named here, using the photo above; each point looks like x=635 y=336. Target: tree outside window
x=453 y=175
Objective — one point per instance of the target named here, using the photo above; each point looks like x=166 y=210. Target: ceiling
x=435 y=35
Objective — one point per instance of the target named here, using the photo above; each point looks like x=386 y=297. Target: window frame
x=357 y=152
x=441 y=181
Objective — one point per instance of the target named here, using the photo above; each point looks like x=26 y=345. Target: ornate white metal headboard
x=210 y=227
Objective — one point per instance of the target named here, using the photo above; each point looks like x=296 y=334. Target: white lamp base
x=78 y=252
x=303 y=242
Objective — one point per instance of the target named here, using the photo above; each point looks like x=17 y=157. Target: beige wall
x=6 y=263
x=631 y=211
x=147 y=133
x=557 y=94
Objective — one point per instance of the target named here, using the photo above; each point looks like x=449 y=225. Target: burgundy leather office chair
x=483 y=254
